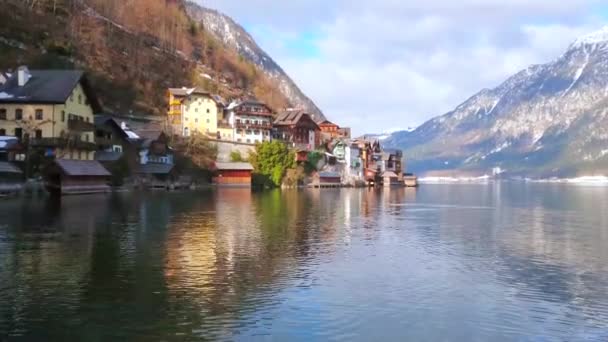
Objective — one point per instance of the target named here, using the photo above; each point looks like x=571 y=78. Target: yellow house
x=193 y=110
x=52 y=110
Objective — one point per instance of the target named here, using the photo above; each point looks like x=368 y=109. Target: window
x=18 y=114
x=19 y=132
x=80 y=155
x=38 y=134
x=86 y=119
x=2 y=114
x=196 y=120
x=86 y=137
x=2 y=132
x=72 y=98
x=208 y=111
x=39 y=114
x=79 y=99
x=63 y=116
x=207 y=120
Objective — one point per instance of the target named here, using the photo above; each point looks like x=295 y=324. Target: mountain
x=131 y=50
x=235 y=36
x=547 y=120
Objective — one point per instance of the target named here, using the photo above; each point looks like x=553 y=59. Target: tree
x=271 y=160
x=236 y=157
x=198 y=149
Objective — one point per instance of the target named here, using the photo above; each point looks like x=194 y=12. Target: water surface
x=493 y=262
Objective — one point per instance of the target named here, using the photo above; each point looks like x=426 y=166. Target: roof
x=188 y=91
x=48 y=87
x=291 y=117
x=326 y=123
x=81 y=167
x=6 y=167
x=155 y=169
x=107 y=156
x=234 y=166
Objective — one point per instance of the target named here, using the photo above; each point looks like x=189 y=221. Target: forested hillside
x=133 y=50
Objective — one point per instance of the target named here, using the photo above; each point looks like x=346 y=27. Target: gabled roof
x=81 y=167
x=188 y=91
x=390 y=174
x=47 y=87
x=292 y=117
x=234 y=166
x=6 y=167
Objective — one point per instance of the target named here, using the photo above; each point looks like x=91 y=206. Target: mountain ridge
x=545 y=120
x=232 y=34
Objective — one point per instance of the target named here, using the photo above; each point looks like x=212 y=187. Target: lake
x=462 y=262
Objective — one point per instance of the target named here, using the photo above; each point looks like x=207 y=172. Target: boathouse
x=156 y=175
x=391 y=179
x=70 y=177
x=327 y=179
x=233 y=174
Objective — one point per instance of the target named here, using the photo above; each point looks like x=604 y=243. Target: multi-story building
x=51 y=110
x=297 y=128
x=329 y=130
x=193 y=110
x=250 y=122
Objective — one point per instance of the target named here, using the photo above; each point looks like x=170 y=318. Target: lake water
x=494 y=262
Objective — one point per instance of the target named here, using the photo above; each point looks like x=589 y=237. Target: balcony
x=78 y=125
x=63 y=143
x=262 y=126
x=103 y=141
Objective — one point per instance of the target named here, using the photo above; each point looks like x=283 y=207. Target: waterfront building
x=50 y=110
x=247 y=122
x=70 y=177
x=193 y=110
x=115 y=140
x=297 y=129
x=233 y=174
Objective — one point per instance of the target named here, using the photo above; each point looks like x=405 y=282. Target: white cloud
x=394 y=63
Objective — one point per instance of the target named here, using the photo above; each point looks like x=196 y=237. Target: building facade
x=193 y=110
x=51 y=110
x=298 y=129
x=247 y=122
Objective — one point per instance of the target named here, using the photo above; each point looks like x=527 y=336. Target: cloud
x=390 y=64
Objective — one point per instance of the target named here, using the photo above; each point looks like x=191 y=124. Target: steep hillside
x=133 y=50
x=547 y=120
x=234 y=35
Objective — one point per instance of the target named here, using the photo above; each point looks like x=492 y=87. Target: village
x=55 y=134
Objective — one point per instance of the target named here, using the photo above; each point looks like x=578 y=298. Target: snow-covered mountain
x=235 y=36
x=547 y=120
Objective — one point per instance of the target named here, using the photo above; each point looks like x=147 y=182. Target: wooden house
x=233 y=174
x=326 y=179
x=329 y=130
x=298 y=129
x=69 y=177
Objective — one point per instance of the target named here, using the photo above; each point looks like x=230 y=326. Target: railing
x=80 y=125
x=243 y=125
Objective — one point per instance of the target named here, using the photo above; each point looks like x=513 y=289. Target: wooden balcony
x=261 y=126
x=78 y=125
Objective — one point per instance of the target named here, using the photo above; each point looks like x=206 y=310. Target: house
x=329 y=130
x=354 y=163
x=233 y=174
x=51 y=110
x=298 y=129
x=153 y=146
x=11 y=178
x=115 y=139
x=327 y=179
x=249 y=121
x=391 y=179
x=338 y=150
x=344 y=132
x=11 y=149
x=392 y=160
x=70 y=177
x=193 y=110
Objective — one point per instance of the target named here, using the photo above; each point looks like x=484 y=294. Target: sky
x=384 y=65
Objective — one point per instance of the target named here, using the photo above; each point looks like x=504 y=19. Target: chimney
x=123 y=126
x=3 y=79
x=23 y=75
